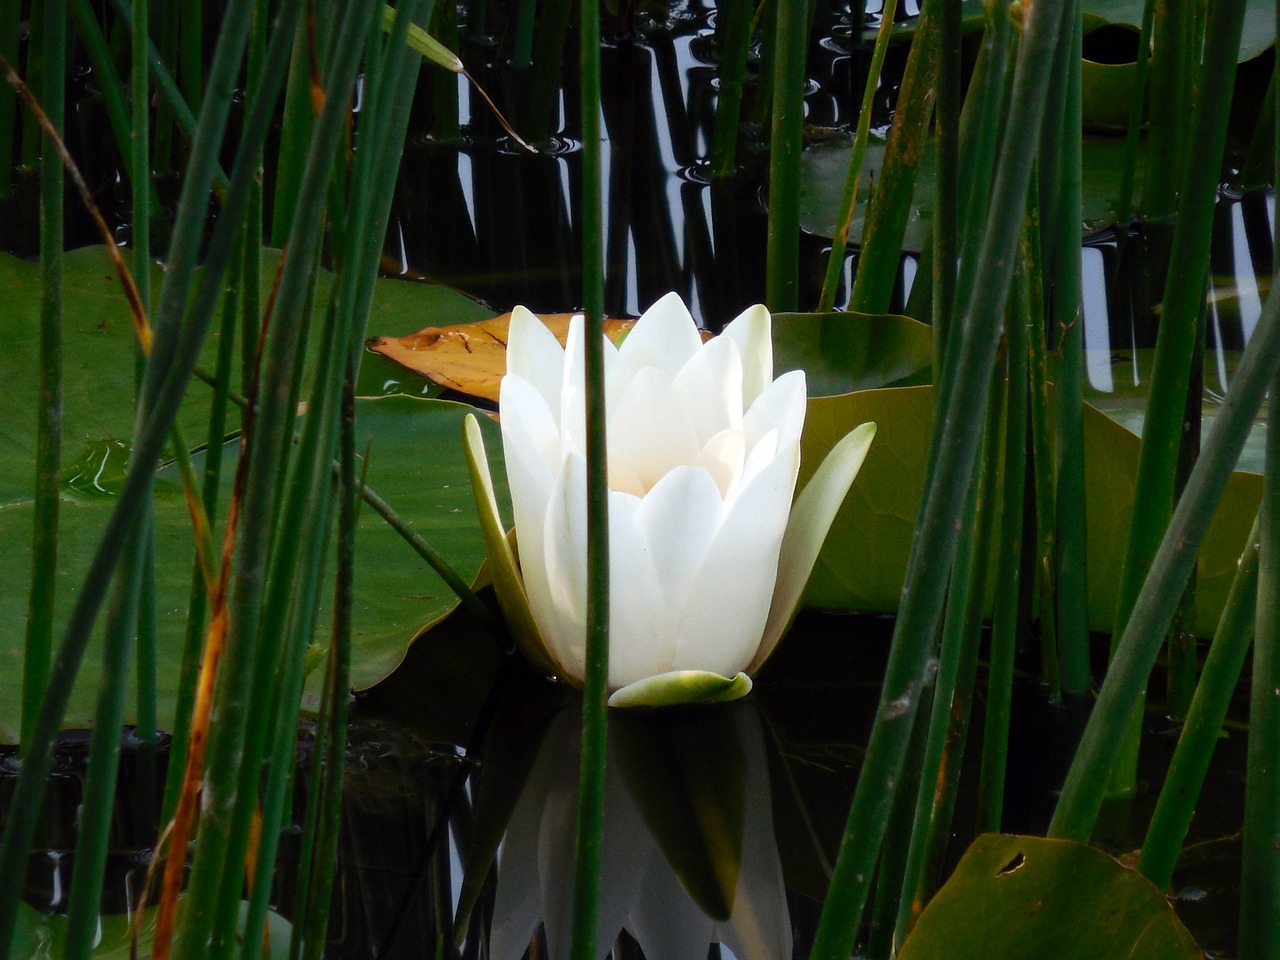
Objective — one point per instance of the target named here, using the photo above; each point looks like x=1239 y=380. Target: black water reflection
x=443 y=772
x=477 y=213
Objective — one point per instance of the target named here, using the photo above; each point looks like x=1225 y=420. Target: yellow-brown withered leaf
x=472 y=357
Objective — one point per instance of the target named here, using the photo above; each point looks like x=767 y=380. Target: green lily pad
x=417 y=465
x=863 y=564
x=1027 y=897
x=823 y=168
x=842 y=352
x=1258 y=34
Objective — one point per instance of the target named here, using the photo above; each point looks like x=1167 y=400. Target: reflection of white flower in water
x=639 y=890
x=708 y=555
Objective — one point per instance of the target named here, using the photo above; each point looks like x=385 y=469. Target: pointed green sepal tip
x=503 y=567
x=681 y=688
x=812 y=514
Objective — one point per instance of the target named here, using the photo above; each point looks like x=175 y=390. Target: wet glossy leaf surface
x=1027 y=897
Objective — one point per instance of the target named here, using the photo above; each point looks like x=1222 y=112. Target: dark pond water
x=441 y=755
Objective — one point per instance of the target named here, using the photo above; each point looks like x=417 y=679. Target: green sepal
x=811 y=517
x=681 y=687
x=502 y=559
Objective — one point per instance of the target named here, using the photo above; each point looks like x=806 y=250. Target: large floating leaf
x=1259 y=21
x=839 y=352
x=863 y=564
x=417 y=465
x=1027 y=898
x=842 y=352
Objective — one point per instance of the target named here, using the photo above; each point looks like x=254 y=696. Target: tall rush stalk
x=589 y=832
x=38 y=652
x=935 y=542
x=1175 y=343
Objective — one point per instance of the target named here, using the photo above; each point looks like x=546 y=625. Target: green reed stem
x=89 y=33
x=889 y=209
x=1180 y=657
x=892 y=867
x=1175 y=342
x=144 y=201
x=167 y=87
x=1004 y=625
x=548 y=58
x=852 y=177
x=1170 y=141
x=389 y=71
x=984 y=107
x=217 y=866
x=198 y=600
x=733 y=31
x=10 y=25
x=446 y=125
x=1061 y=204
x=432 y=556
x=48 y=474
x=588 y=837
x=295 y=133
x=338 y=682
x=946 y=211
x=1132 y=137
x=169 y=16
x=30 y=138
x=934 y=546
x=192 y=41
x=166 y=382
x=958 y=661
x=526 y=16
x=98 y=806
x=1203 y=726
x=791 y=37
x=1083 y=791
x=1260 y=873
x=1053 y=662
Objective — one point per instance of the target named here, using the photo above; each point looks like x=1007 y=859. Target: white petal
x=530 y=444
x=758 y=457
x=558 y=588
x=711 y=385
x=534 y=354
x=555 y=846
x=651 y=430
x=572 y=392
x=723 y=457
x=665 y=920
x=752 y=331
x=721 y=632
x=780 y=407
x=811 y=518
x=679 y=519
x=637 y=646
x=760 y=926
x=665 y=337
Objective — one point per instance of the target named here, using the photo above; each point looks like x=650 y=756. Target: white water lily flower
x=708 y=555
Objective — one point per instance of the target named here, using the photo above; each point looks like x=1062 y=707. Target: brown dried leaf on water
x=472 y=357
